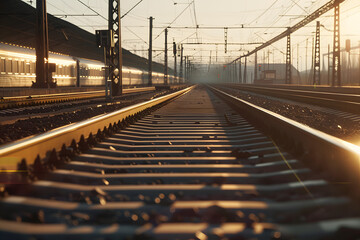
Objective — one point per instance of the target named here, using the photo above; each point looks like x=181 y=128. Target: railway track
x=195 y=168
x=21 y=101
x=343 y=101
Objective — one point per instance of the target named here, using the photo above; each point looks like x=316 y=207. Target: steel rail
x=7 y=102
x=340 y=101
x=143 y=183
x=337 y=157
x=40 y=145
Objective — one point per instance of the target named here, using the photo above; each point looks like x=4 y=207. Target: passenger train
x=17 y=69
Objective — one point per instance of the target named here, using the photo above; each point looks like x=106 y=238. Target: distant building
x=274 y=73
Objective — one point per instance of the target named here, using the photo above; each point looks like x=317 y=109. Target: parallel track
x=193 y=169
x=348 y=102
x=11 y=102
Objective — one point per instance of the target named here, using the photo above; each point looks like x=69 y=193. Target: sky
x=262 y=20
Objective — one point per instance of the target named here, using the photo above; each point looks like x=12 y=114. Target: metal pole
x=256 y=67
x=240 y=73
x=150 y=52
x=336 y=67
x=329 y=75
x=107 y=95
x=306 y=60
x=181 y=61
x=185 y=68
x=245 y=69
x=190 y=69
x=235 y=72
x=288 y=60
x=41 y=45
x=166 y=59
x=268 y=63
x=115 y=51
x=48 y=76
x=175 y=67
x=349 y=67
x=316 y=77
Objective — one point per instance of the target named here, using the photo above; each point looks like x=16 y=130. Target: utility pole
x=312 y=59
x=150 y=52
x=181 y=62
x=216 y=55
x=245 y=70
x=316 y=79
x=264 y=60
x=288 y=60
x=297 y=58
x=185 y=68
x=306 y=59
x=226 y=38
x=188 y=68
x=235 y=73
x=336 y=67
x=256 y=67
x=166 y=59
x=329 y=76
x=268 y=63
x=42 y=45
x=175 y=70
x=209 y=62
x=115 y=53
x=240 y=73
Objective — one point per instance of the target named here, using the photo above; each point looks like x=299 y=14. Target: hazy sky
x=273 y=14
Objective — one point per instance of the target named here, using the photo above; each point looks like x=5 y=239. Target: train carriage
x=18 y=69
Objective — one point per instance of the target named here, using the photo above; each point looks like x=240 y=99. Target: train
x=18 y=69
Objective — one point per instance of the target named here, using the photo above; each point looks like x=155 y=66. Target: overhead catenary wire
x=179 y=15
x=131 y=9
x=92 y=10
x=262 y=14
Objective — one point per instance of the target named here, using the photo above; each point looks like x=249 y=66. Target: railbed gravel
x=337 y=126
x=35 y=125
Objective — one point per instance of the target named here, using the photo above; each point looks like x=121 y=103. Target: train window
x=18 y=65
x=27 y=67
x=22 y=67
x=2 y=65
x=65 y=71
x=32 y=67
x=9 y=66
x=57 y=69
x=72 y=71
x=60 y=70
x=15 y=66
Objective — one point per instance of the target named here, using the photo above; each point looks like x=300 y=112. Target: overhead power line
x=262 y=14
x=320 y=11
x=131 y=9
x=92 y=10
x=174 y=19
